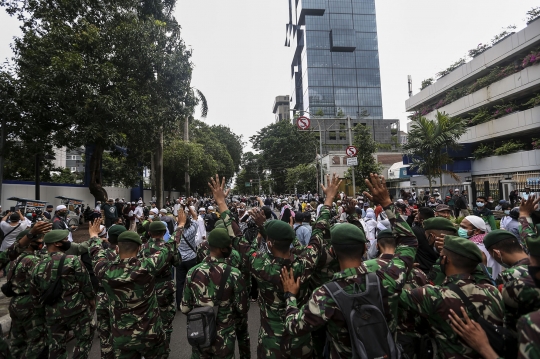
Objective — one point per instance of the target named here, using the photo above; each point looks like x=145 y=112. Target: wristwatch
x=30 y=235
x=288 y=295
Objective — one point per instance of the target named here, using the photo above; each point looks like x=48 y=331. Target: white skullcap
x=400 y=200
x=60 y=207
x=457 y=189
x=477 y=222
x=192 y=208
x=210 y=208
x=154 y=210
x=202 y=209
x=163 y=210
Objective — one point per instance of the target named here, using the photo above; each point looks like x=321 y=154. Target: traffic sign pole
x=351 y=143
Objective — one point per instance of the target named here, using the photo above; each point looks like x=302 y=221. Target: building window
x=73 y=169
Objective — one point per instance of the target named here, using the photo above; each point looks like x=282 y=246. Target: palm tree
x=428 y=143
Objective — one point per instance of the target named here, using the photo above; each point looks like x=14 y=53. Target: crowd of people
x=333 y=277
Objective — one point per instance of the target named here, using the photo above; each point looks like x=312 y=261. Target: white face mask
x=151 y=216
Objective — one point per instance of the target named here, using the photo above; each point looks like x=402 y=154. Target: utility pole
x=350 y=144
x=2 y=150
x=186 y=139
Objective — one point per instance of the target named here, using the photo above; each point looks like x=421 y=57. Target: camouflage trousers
x=242 y=334
x=103 y=314
x=155 y=352
x=223 y=346
x=82 y=325
x=279 y=344
x=167 y=312
x=4 y=349
x=28 y=331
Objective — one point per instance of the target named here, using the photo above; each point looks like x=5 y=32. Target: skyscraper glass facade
x=336 y=60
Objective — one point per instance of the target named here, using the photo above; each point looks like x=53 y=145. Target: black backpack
x=251 y=232
x=502 y=340
x=54 y=292
x=370 y=335
x=202 y=321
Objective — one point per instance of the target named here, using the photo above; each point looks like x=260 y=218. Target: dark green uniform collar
x=351 y=273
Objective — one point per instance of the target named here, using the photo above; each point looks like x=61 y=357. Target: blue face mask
x=480 y=204
x=507 y=211
x=463 y=233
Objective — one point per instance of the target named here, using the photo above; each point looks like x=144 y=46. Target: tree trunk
x=96 y=181
x=158 y=163
x=153 y=175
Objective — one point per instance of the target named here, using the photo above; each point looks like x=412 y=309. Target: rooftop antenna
x=410 y=84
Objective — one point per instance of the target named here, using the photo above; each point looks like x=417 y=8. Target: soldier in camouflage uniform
x=27 y=322
x=202 y=286
x=103 y=309
x=459 y=259
x=165 y=284
x=75 y=307
x=241 y=325
x=273 y=340
x=519 y=293
x=348 y=244
x=129 y=282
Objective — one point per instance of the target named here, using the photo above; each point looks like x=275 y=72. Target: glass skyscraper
x=336 y=60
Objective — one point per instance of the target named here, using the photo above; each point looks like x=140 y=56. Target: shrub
x=426 y=83
x=509 y=147
x=483 y=151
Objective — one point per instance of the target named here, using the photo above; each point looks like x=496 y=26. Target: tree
x=303 y=178
x=363 y=141
x=98 y=73
x=283 y=146
x=63 y=175
x=233 y=143
x=428 y=143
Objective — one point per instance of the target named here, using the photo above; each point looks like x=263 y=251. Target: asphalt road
x=180 y=349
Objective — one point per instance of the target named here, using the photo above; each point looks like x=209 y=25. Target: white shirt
x=201 y=232
x=138 y=212
x=319 y=209
x=176 y=208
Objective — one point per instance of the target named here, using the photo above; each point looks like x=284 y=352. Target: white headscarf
x=477 y=222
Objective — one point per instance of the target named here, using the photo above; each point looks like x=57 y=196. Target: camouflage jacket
x=521 y=296
x=434 y=304
x=437 y=277
x=76 y=286
x=525 y=231
x=415 y=279
x=168 y=256
x=130 y=286
x=203 y=251
x=202 y=285
x=517 y=271
x=529 y=336
x=322 y=309
x=20 y=273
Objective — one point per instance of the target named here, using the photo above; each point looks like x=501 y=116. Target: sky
x=241 y=63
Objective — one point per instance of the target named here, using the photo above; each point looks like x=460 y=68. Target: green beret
x=463 y=247
x=385 y=234
x=116 y=230
x=440 y=224
x=279 y=230
x=22 y=234
x=56 y=235
x=347 y=233
x=219 y=238
x=157 y=226
x=496 y=236
x=129 y=236
x=533 y=243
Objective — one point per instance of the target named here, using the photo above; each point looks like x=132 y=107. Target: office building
x=281 y=108
x=335 y=67
x=498 y=93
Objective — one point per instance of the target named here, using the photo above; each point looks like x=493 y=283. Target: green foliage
x=481 y=116
x=536 y=143
x=503 y=34
x=503 y=109
x=483 y=151
x=428 y=142
x=533 y=14
x=451 y=68
x=426 y=83
x=120 y=171
x=508 y=147
x=458 y=220
x=233 y=143
x=479 y=49
x=302 y=177
x=533 y=102
x=363 y=141
x=282 y=146
x=64 y=175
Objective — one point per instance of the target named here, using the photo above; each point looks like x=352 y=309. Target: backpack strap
x=8 y=233
x=222 y=283
x=60 y=267
x=15 y=267
x=470 y=306
x=189 y=244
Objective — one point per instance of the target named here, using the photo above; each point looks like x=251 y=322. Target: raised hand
x=288 y=281
x=529 y=206
x=93 y=228
x=332 y=189
x=378 y=193
x=472 y=333
x=40 y=228
x=219 y=193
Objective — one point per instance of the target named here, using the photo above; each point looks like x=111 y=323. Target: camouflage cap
x=157 y=226
x=385 y=234
x=22 y=234
x=496 y=236
x=347 y=233
x=463 y=247
x=129 y=236
x=219 y=238
x=439 y=223
x=279 y=230
x=116 y=230
x=56 y=235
